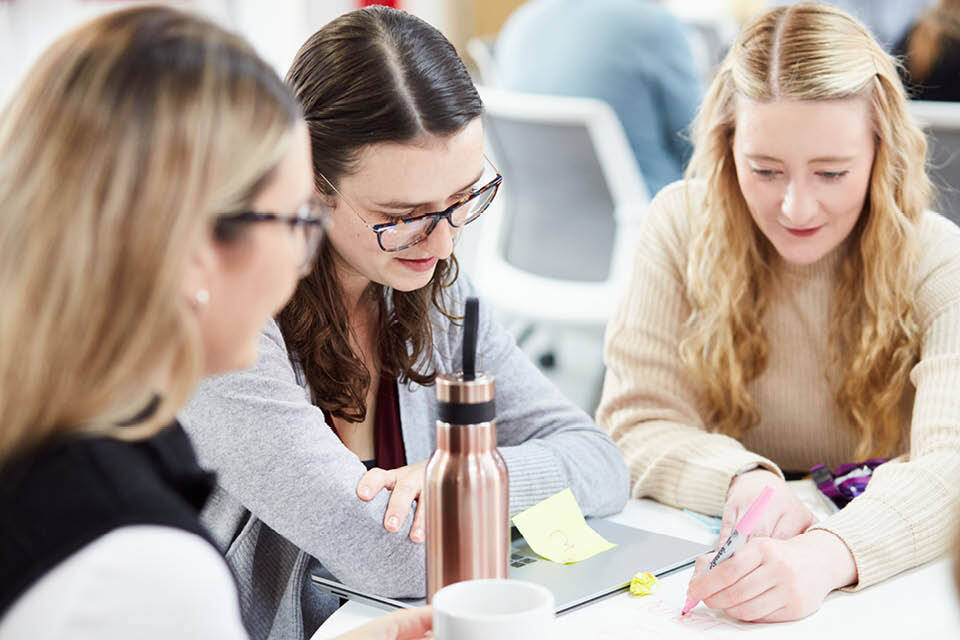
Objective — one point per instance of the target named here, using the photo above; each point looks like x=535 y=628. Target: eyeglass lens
x=405 y=235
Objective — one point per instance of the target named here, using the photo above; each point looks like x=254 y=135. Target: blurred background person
x=632 y=54
x=888 y=20
x=931 y=54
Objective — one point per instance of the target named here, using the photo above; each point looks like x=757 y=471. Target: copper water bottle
x=466 y=491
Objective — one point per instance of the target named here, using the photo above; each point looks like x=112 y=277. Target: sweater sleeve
x=650 y=406
x=273 y=451
x=548 y=443
x=909 y=512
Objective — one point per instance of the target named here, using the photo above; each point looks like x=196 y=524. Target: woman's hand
x=770 y=580
x=409 y=624
x=405 y=483
x=785 y=516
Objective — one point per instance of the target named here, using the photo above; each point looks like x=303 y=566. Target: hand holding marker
x=738 y=536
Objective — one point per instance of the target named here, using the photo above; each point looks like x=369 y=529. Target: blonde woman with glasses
x=156 y=209
x=321 y=446
x=795 y=303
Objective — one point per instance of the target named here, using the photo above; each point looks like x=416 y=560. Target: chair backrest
x=573 y=194
x=941 y=121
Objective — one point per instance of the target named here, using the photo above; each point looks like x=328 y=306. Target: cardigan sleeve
x=650 y=406
x=909 y=511
x=273 y=451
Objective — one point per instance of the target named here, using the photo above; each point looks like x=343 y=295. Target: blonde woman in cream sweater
x=795 y=302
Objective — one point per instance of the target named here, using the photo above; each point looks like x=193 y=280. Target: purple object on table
x=847 y=481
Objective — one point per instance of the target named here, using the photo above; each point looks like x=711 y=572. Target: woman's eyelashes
x=770 y=174
x=832 y=176
x=765 y=173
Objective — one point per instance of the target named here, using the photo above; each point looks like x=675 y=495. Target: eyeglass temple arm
x=340 y=195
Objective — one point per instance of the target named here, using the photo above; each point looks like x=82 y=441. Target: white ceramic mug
x=493 y=609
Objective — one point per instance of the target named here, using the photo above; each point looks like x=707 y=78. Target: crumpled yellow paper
x=643 y=584
x=555 y=529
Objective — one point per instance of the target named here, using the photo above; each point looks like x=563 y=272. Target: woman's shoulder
x=678 y=205
x=672 y=219
x=937 y=272
x=138 y=581
x=938 y=240
x=933 y=224
x=273 y=363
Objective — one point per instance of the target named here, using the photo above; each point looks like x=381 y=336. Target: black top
x=60 y=498
x=943 y=82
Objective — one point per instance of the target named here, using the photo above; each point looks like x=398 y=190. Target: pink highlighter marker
x=738 y=536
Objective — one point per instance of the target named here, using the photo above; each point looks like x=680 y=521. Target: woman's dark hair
x=371 y=75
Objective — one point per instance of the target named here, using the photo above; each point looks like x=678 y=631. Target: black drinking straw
x=470 y=321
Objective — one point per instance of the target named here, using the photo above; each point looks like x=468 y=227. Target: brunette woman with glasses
x=321 y=446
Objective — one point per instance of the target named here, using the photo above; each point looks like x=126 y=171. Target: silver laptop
x=573 y=585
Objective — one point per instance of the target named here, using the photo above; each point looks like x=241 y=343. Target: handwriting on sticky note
x=555 y=529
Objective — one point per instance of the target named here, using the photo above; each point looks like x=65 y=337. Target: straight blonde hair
x=128 y=137
x=808 y=52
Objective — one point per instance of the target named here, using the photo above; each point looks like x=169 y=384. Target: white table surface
x=918 y=604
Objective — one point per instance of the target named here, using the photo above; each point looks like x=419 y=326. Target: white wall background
x=275 y=27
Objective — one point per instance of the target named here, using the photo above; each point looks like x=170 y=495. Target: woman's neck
x=353 y=287
x=355 y=297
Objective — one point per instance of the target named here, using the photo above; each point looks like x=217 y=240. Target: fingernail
x=418 y=535
x=364 y=492
x=392 y=523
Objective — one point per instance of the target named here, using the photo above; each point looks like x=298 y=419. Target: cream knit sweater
x=653 y=409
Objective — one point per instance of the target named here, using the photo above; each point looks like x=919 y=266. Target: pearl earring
x=202 y=297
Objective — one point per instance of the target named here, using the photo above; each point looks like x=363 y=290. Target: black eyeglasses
x=406 y=232
x=311 y=219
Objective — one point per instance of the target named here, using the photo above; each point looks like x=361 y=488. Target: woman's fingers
x=405 y=485
x=409 y=624
x=373 y=481
x=406 y=489
x=417 y=532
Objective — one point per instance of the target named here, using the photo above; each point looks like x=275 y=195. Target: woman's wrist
x=750 y=474
x=836 y=559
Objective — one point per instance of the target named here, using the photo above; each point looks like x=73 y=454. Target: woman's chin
x=405 y=280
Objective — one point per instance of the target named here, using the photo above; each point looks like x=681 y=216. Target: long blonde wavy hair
x=807 y=52
x=128 y=136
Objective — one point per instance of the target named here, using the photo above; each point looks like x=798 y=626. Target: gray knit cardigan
x=286 y=501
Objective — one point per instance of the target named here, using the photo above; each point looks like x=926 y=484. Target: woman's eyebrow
x=758 y=156
x=399 y=204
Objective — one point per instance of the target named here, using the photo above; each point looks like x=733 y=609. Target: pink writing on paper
x=649 y=618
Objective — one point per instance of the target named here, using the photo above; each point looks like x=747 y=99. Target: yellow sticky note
x=556 y=530
x=643 y=584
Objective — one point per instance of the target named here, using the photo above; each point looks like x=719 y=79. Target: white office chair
x=558 y=247
x=941 y=121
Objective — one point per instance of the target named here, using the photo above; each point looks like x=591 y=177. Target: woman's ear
x=201 y=273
